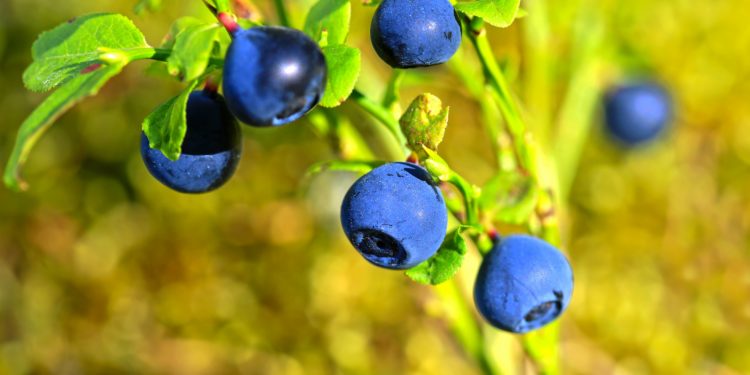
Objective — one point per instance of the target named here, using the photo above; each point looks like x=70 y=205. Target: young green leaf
x=178 y=26
x=510 y=198
x=444 y=264
x=424 y=123
x=344 y=64
x=62 y=53
x=70 y=93
x=436 y=165
x=165 y=127
x=498 y=13
x=331 y=15
x=192 y=51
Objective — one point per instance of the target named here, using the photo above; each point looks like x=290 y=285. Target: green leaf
x=62 y=53
x=192 y=51
x=344 y=64
x=147 y=5
x=445 y=263
x=436 y=165
x=499 y=13
x=330 y=15
x=178 y=26
x=45 y=114
x=165 y=127
x=423 y=123
x=510 y=198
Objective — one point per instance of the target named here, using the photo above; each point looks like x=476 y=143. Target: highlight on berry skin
x=273 y=75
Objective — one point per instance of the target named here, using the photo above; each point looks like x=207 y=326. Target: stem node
x=227 y=20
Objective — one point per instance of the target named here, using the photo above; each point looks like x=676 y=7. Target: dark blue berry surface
x=210 y=151
x=415 y=33
x=523 y=284
x=395 y=216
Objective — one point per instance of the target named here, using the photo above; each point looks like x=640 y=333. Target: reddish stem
x=493 y=234
x=412 y=158
x=228 y=21
x=91 y=68
x=211 y=86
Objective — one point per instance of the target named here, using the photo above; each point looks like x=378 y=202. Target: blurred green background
x=103 y=270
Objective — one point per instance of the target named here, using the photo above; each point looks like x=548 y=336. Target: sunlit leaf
x=62 y=53
x=67 y=95
x=165 y=127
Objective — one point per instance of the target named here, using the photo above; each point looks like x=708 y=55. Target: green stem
x=543 y=352
x=500 y=91
x=391 y=97
x=223 y=6
x=463 y=323
x=469 y=193
x=381 y=114
x=538 y=83
x=496 y=80
x=501 y=143
x=281 y=12
x=157 y=54
x=576 y=113
x=462 y=320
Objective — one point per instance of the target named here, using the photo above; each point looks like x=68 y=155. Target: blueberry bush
x=395 y=215
x=267 y=66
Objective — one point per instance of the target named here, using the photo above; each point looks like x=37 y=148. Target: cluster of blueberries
x=274 y=75
x=395 y=215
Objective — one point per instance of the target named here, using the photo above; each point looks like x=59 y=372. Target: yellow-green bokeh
x=103 y=270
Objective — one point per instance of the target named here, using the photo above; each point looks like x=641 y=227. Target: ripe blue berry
x=414 y=33
x=637 y=112
x=273 y=75
x=395 y=216
x=210 y=151
x=523 y=284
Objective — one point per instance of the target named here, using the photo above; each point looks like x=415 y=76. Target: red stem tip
x=228 y=21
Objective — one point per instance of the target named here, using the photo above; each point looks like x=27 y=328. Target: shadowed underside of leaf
x=62 y=53
x=44 y=115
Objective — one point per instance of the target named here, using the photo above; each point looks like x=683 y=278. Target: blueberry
x=210 y=151
x=523 y=284
x=395 y=216
x=414 y=33
x=273 y=75
x=637 y=112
